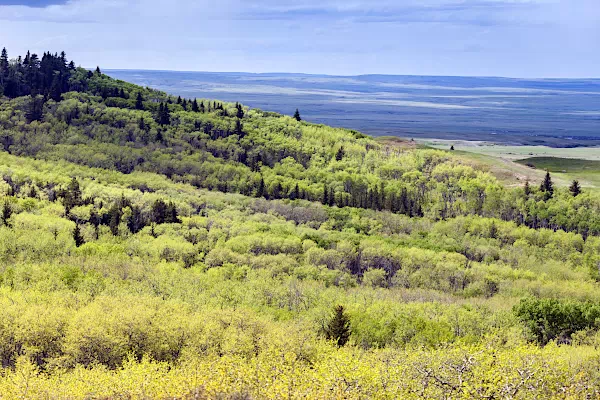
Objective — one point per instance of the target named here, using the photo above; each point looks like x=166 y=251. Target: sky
x=512 y=38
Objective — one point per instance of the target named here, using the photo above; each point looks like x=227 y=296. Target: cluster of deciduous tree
x=320 y=263
x=116 y=125
x=230 y=277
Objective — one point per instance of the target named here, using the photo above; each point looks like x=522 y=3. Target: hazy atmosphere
x=515 y=38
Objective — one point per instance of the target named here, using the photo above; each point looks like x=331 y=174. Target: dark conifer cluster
x=161 y=212
x=48 y=76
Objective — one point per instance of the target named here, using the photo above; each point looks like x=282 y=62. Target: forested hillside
x=159 y=247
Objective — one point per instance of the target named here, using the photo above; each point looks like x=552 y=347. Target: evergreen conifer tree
x=171 y=216
x=6 y=213
x=135 y=221
x=547 y=186
x=139 y=101
x=77 y=236
x=159 y=212
x=164 y=116
x=114 y=221
x=295 y=194
x=527 y=189
x=575 y=188
x=4 y=63
x=239 y=128
x=95 y=221
x=338 y=328
x=72 y=196
x=35 y=109
x=240 y=111
x=260 y=192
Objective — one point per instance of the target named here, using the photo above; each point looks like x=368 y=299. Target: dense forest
x=153 y=246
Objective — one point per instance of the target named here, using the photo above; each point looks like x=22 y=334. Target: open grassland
x=514 y=152
x=587 y=172
x=565 y=165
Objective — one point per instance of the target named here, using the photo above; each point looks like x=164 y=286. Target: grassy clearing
x=514 y=152
x=565 y=165
x=586 y=171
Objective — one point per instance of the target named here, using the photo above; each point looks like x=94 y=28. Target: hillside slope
x=155 y=247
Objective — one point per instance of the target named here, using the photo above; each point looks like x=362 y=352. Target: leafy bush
x=557 y=319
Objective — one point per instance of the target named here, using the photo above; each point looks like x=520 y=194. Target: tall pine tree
x=139 y=101
x=4 y=63
x=338 y=328
x=547 y=186
x=575 y=188
x=77 y=236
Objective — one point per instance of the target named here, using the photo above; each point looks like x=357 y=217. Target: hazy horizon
x=349 y=76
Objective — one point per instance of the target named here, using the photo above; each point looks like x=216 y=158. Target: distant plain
x=547 y=112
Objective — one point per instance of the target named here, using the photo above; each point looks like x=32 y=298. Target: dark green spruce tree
x=171 y=215
x=340 y=154
x=575 y=188
x=295 y=194
x=159 y=212
x=260 y=191
x=547 y=186
x=164 y=115
x=77 y=236
x=139 y=101
x=527 y=189
x=338 y=327
x=7 y=212
x=115 y=214
x=4 y=62
x=135 y=221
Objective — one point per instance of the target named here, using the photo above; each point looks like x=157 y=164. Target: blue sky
x=515 y=38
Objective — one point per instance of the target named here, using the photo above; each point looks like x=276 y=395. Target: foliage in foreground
x=520 y=372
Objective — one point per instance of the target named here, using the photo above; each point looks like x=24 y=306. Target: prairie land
x=548 y=112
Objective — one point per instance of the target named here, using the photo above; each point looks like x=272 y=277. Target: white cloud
x=451 y=37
